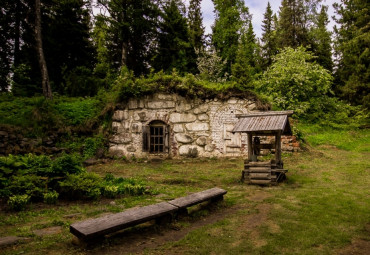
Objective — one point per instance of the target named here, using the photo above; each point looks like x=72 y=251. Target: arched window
x=156 y=137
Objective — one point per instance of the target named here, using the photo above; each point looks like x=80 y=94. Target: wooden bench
x=91 y=229
x=210 y=194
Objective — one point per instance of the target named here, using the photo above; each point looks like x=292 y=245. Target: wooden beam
x=278 y=148
x=250 y=152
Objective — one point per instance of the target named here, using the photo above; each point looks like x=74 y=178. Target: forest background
x=61 y=48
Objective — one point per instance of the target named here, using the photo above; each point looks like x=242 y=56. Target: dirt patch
x=135 y=241
x=260 y=196
x=48 y=231
x=253 y=221
x=357 y=246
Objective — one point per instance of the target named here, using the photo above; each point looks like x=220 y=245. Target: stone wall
x=200 y=127
x=14 y=142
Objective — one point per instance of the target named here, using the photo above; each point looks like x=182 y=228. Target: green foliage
x=83 y=185
x=91 y=145
x=352 y=49
x=121 y=185
x=196 y=29
x=175 y=48
x=292 y=29
x=51 y=197
x=294 y=82
x=18 y=202
x=246 y=64
x=231 y=18
x=77 y=111
x=269 y=40
x=66 y=164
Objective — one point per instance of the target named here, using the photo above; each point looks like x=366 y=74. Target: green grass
x=321 y=209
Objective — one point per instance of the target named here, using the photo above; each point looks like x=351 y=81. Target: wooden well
x=260 y=124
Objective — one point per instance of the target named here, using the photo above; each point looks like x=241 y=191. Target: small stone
x=131 y=148
x=210 y=147
x=201 y=141
x=112 y=202
x=9 y=240
x=203 y=117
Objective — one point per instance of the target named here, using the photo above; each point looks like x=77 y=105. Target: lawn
x=322 y=208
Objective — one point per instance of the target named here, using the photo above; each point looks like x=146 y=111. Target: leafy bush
x=110 y=191
x=66 y=164
x=91 y=145
x=126 y=186
x=83 y=185
x=293 y=80
x=51 y=197
x=18 y=202
x=31 y=185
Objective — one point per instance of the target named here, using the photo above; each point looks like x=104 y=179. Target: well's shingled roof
x=264 y=122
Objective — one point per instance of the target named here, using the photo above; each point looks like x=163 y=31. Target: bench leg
x=164 y=220
x=182 y=212
x=217 y=199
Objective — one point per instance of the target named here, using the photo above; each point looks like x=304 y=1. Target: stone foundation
x=195 y=127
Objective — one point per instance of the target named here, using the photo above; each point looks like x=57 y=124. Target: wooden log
x=260 y=182
x=260 y=175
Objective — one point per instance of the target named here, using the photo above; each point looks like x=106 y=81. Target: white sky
x=257 y=8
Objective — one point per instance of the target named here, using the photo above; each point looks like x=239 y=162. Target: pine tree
x=269 y=47
x=321 y=39
x=196 y=28
x=175 y=50
x=352 y=49
x=292 y=28
x=231 y=17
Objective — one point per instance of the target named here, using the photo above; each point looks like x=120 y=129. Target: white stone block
x=161 y=104
x=182 y=117
x=120 y=115
x=178 y=128
x=197 y=126
x=183 y=138
x=201 y=109
x=203 y=117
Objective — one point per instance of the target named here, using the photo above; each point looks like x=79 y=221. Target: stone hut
x=169 y=125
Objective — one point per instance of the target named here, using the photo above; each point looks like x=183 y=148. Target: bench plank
x=92 y=228
x=198 y=197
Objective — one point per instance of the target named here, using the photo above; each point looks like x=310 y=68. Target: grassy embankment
x=321 y=209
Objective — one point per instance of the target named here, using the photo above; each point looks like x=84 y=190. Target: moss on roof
x=187 y=86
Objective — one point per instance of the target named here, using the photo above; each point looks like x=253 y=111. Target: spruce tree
x=175 y=50
x=352 y=50
x=196 y=28
x=321 y=39
x=292 y=28
x=269 y=47
x=131 y=33
x=246 y=63
x=231 y=17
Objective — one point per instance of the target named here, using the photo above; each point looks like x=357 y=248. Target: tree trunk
x=124 y=55
x=17 y=30
x=40 y=52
